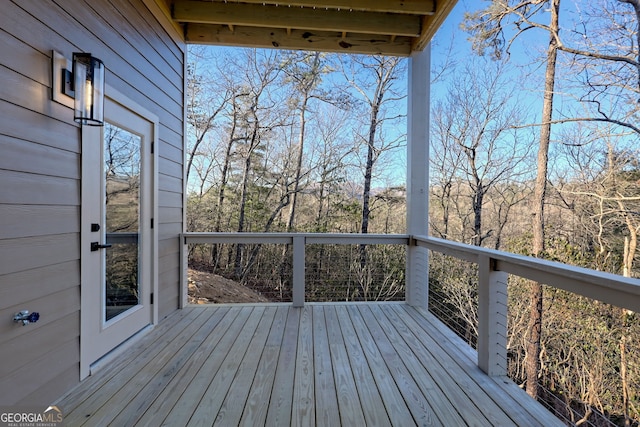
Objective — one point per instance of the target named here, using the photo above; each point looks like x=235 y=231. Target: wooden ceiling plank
x=293 y=17
x=316 y=41
x=416 y=7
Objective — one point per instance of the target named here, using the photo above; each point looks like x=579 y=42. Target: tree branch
x=582 y=119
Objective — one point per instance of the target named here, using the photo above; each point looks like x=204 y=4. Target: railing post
x=184 y=274
x=298 y=270
x=492 y=318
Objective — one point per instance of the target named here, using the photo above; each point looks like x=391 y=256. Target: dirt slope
x=208 y=288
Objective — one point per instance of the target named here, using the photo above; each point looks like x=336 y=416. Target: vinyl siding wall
x=40 y=173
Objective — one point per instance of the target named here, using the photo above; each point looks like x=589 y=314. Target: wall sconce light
x=88 y=73
x=84 y=83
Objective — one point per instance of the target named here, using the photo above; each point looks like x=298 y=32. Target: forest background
x=534 y=150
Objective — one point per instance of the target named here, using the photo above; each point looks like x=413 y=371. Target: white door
x=118 y=238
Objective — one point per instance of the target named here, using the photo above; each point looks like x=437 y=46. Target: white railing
x=493 y=269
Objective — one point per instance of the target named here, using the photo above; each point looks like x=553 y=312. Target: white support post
x=417 y=274
x=298 y=270
x=184 y=274
x=492 y=318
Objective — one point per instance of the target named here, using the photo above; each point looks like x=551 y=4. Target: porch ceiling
x=389 y=27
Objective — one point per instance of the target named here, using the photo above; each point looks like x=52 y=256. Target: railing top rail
x=310 y=238
x=606 y=287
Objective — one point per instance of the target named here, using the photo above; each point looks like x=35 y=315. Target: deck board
x=281 y=399
x=235 y=400
x=326 y=393
x=150 y=384
x=157 y=411
x=438 y=400
x=512 y=400
x=190 y=400
x=219 y=385
x=349 y=404
x=323 y=364
x=419 y=406
x=391 y=396
x=303 y=413
x=372 y=406
x=255 y=409
x=119 y=384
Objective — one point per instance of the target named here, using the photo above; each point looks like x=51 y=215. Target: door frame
x=90 y=156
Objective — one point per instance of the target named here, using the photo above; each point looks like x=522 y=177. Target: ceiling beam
x=297 y=39
x=257 y=15
x=417 y=7
x=431 y=24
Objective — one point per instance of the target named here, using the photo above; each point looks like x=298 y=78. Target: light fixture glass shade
x=88 y=80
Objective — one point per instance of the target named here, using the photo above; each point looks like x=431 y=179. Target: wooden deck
x=324 y=364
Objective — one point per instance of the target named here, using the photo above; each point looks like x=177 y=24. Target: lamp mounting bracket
x=62 y=80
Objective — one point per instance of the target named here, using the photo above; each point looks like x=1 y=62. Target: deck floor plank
x=520 y=408
x=349 y=402
x=73 y=400
x=326 y=404
x=421 y=409
x=394 y=403
x=189 y=401
x=255 y=411
x=449 y=386
x=158 y=375
x=373 y=407
x=221 y=383
x=323 y=364
x=231 y=410
x=303 y=413
x=438 y=401
x=162 y=405
x=281 y=401
x=122 y=386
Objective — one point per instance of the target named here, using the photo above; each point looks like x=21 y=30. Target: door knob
x=97 y=246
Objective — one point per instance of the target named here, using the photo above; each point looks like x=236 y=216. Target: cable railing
x=590 y=364
x=299 y=257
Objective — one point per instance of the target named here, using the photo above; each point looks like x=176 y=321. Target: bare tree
x=375 y=82
x=487 y=28
x=206 y=100
x=304 y=71
x=260 y=72
x=476 y=145
x=329 y=161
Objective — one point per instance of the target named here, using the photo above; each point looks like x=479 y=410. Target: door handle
x=97 y=246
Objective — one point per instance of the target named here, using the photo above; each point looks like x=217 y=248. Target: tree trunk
x=243 y=199
x=532 y=361
x=366 y=191
x=306 y=84
x=296 y=182
x=215 y=257
x=478 y=199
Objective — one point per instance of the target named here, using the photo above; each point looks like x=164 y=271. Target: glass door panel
x=121 y=171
